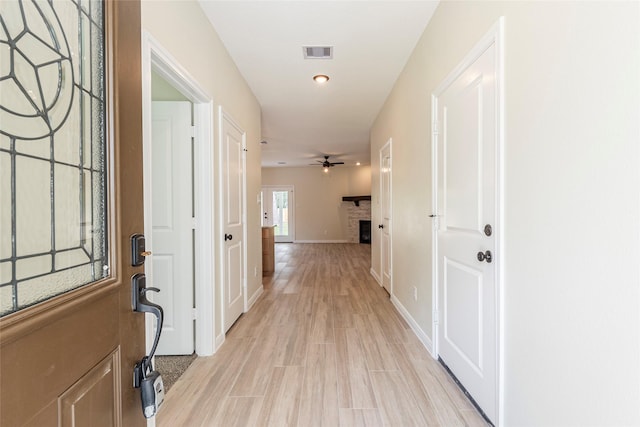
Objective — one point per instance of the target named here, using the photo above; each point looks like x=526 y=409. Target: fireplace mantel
x=355 y=199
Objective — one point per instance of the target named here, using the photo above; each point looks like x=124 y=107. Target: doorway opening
x=164 y=77
x=278 y=211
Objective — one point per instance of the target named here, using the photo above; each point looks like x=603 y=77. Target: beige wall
x=571 y=290
x=320 y=213
x=184 y=31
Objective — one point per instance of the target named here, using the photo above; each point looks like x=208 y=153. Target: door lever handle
x=380 y=225
x=141 y=304
x=228 y=237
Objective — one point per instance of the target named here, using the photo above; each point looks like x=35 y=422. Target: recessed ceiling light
x=282 y=163
x=321 y=78
x=357 y=163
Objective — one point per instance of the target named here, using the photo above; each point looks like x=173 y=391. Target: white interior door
x=171 y=217
x=466 y=148
x=385 y=215
x=233 y=222
x=278 y=203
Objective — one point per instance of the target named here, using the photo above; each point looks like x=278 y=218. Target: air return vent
x=318 y=52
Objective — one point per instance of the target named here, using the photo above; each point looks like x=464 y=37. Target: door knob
x=485 y=256
x=380 y=225
x=228 y=237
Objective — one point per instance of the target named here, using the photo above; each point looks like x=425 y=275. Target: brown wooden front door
x=68 y=359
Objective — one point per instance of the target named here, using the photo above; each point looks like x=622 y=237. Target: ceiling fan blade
x=337 y=163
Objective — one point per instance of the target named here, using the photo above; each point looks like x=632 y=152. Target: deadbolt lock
x=488 y=231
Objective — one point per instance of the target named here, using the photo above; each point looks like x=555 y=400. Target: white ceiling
x=301 y=120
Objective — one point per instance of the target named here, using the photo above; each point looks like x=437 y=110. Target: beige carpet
x=172 y=367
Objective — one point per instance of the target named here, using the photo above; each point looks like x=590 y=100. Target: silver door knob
x=485 y=256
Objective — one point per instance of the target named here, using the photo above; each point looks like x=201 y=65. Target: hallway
x=323 y=346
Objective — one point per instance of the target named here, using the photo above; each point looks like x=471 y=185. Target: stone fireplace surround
x=354 y=215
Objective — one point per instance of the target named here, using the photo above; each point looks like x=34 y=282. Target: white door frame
x=158 y=59
x=494 y=36
x=223 y=115
x=292 y=205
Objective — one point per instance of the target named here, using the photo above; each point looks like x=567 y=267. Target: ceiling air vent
x=318 y=52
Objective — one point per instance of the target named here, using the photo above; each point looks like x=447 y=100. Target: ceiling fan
x=326 y=163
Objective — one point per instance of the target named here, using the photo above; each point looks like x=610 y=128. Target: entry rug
x=172 y=367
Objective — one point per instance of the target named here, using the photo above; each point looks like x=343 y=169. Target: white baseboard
x=255 y=296
x=321 y=241
x=424 y=339
x=219 y=341
x=375 y=276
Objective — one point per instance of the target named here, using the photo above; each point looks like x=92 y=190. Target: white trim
x=156 y=58
x=495 y=36
x=255 y=296
x=323 y=241
x=415 y=327
x=434 y=224
x=375 y=276
x=205 y=248
x=220 y=339
x=500 y=217
x=245 y=255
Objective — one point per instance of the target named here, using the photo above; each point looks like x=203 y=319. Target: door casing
x=494 y=36
x=386 y=236
x=157 y=58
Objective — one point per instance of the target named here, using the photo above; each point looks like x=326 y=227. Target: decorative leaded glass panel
x=52 y=149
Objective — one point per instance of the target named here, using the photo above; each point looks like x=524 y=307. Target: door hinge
x=436 y=127
x=194 y=313
x=436 y=317
x=193 y=224
x=193 y=131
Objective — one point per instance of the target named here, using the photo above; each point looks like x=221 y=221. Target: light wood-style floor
x=323 y=346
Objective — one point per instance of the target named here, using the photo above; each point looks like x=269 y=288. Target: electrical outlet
x=415 y=293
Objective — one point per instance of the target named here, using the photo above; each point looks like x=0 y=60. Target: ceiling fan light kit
x=321 y=78
x=326 y=164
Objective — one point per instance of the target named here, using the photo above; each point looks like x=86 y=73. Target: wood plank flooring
x=323 y=346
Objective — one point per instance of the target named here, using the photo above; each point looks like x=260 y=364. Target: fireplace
x=365 y=231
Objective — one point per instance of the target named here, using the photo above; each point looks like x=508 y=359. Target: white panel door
x=171 y=218
x=233 y=223
x=466 y=147
x=385 y=215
